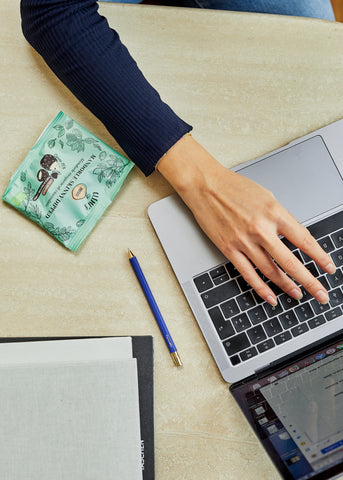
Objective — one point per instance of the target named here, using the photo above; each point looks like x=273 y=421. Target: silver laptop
x=245 y=334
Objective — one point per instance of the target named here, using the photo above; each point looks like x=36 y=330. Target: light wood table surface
x=248 y=84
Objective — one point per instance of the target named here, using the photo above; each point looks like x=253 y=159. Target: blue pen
x=155 y=310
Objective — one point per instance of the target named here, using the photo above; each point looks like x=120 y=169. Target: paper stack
x=77 y=408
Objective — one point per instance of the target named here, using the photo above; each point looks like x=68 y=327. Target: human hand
x=244 y=220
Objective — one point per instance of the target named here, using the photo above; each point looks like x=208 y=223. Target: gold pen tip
x=176 y=359
x=130 y=253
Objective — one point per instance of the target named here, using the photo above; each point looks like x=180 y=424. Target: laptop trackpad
x=310 y=184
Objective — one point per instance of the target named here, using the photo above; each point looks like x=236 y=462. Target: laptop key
x=288 y=320
x=217 y=272
x=223 y=327
x=266 y=345
x=304 y=312
x=256 y=334
x=336 y=279
x=221 y=279
x=337 y=238
x=324 y=282
x=316 y=322
x=203 y=282
x=326 y=244
x=311 y=267
x=220 y=294
x=282 y=338
x=299 y=329
x=235 y=360
x=337 y=257
x=257 y=315
x=230 y=308
x=232 y=270
x=332 y=314
x=257 y=298
x=272 y=327
x=288 y=302
x=236 y=344
x=272 y=311
x=336 y=297
x=241 y=322
x=306 y=296
x=247 y=354
x=245 y=301
x=243 y=284
x=319 y=307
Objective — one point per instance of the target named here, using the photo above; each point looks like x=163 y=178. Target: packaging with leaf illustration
x=67 y=181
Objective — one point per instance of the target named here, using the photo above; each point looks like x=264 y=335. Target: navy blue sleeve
x=89 y=58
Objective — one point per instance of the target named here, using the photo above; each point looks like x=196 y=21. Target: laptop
x=253 y=343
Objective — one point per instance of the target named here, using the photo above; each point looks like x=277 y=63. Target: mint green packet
x=67 y=180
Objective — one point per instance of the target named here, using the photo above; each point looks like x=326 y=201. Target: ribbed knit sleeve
x=89 y=58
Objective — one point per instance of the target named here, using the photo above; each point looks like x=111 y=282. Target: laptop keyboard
x=247 y=325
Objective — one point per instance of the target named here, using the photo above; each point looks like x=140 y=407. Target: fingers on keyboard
x=247 y=325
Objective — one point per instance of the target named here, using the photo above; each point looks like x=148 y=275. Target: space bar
x=220 y=294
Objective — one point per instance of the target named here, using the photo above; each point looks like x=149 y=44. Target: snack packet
x=67 y=181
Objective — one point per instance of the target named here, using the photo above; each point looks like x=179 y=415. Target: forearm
x=89 y=58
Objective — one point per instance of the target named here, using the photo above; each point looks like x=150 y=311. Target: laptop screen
x=297 y=413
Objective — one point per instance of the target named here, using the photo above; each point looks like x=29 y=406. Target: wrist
x=187 y=165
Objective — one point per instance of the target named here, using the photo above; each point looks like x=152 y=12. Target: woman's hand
x=244 y=220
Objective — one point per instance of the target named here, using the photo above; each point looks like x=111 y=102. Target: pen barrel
x=153 y=305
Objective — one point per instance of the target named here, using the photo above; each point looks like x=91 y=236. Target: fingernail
x=272 y=300
x=296 y=293
x=330 y=268
x=322 y=297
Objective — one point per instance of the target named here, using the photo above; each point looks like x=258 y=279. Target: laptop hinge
x=293 y=357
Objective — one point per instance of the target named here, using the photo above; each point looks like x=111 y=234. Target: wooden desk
x=248 y=83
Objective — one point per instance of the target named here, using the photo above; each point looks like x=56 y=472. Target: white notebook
x=65 y=420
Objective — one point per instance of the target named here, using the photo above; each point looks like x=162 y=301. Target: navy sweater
x=89 y=58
